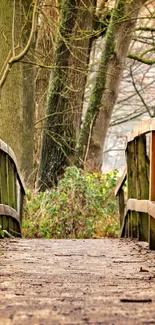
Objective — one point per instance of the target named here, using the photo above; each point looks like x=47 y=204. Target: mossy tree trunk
x=44 y=51
x=17 y=94
x=66 y=90
x=89 y=148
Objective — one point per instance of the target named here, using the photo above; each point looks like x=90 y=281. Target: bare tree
x=66 y=90
x=119 y=34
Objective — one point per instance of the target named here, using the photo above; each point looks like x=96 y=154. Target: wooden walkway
x=51 y=282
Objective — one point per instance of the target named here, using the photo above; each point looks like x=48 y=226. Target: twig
x=136 y=300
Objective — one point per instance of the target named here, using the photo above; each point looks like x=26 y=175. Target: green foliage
x=82 y=206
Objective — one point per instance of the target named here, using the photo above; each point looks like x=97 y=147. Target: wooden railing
x=137 y=211
x=12 y=192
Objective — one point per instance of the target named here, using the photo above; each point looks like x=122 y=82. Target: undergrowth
x=81 y=206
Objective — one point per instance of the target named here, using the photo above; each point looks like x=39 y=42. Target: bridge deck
x=44 y=282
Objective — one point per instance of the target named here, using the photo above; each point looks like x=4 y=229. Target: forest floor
x=100 y=281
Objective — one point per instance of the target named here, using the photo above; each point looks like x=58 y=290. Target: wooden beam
x=142 y=128
x=5 y=148
x=121 y=181
x=144 y=206
x=152 y=191
x=142 y=184
x=121 y=205
x=131 y=186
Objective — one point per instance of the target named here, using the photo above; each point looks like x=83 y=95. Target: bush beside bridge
x=81 y=206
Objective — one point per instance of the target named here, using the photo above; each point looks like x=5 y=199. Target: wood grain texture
x=5 y=148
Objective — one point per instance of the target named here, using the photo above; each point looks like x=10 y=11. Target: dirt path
x=44 y=282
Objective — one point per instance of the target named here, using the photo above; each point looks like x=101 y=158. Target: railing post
x=121 y=205
x=142 y=184
x=152 y=190
x=131 y=187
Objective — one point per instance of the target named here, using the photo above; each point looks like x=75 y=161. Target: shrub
x=81 y=206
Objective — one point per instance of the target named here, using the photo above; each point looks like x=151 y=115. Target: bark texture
x=66 y=90
x=45 y=48
x=105 y=89
x=17 y=94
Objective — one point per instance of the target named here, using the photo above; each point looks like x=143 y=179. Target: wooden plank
x=5 y=223
x=142 y=184
x=8 y=211
x=11 y=183
x=134 y=225
x=16 y=229
x=130 y=232
x=5 y=148
x=151 y=233
x=151 y=209
x=126 y=227
x=137 y=205
x=4 y=178
x=152 y=167
x=21 y=205
x=131 y=184
x=121 y=205
x=20 y=198
x=10 y=220
x=145 y=206
x=11 y=224
x=121 y=181
x=152 y=191
x=143 y=227
x=1 y=222
x=142 y=128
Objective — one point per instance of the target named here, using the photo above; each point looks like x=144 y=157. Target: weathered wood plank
x=131 y=185
x=142 y=184
x=121 y=181
x=1 y=222
x=11 y=183
x=152 y=190
x=8 y=211
x=142 y=128
x=11 y=224
x=121 y=205
x=5 y=148
x=5 y=223
x=145 y=206
x=3 y=178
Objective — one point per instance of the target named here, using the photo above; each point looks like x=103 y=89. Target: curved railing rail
x=12 y=190
x=137 y=214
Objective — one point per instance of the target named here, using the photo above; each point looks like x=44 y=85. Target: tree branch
x=146 y=29
x=140 y=59
x=139 y=94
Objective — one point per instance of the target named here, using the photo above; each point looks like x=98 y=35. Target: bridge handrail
x=142 y=128
x=12 y=191
x=7 y=149
x=121 y=181
x=137 y=219
x=140 y=206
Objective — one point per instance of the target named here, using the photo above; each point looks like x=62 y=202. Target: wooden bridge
x=82 y=282
x=137 y=214
x=12 y=192
x=136 y=201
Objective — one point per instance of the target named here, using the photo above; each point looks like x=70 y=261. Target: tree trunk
x=17 y=94
x=105 y=90
x=45 y=47
x=66 y=90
